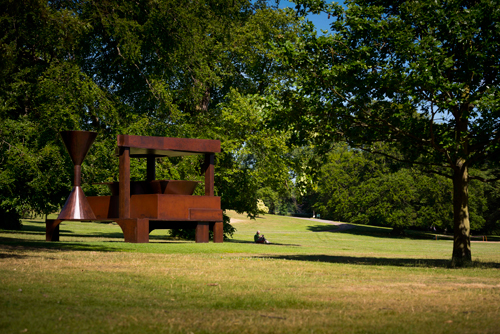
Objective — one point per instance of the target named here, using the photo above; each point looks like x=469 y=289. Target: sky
x=321 y=21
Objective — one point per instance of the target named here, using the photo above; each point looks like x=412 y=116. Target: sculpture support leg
x=52 y=229
x=151 y=168
x=124 y=190
x=135 y=230
x=201 y=235
x=218 y=232
x=209 y=166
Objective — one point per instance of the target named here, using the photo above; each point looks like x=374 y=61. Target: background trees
x=42 y=91
x=364 y=188
x=162 y=68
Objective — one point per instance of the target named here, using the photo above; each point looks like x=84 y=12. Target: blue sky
x=320 y=21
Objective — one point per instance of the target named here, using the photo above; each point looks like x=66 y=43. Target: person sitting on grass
x=260 y=238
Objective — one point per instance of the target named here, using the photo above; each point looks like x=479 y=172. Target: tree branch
x=484 y=179
x=396 y=158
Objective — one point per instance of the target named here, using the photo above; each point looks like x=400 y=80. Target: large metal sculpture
x=140 y=207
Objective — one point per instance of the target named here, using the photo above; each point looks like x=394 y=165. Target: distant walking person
x=260 y=238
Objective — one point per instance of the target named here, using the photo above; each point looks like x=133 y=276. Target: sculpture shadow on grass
x=378 y=261
x=35 y=230
x=28 y=244
x=38 y=228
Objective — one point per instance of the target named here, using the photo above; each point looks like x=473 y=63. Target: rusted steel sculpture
x=140 y=207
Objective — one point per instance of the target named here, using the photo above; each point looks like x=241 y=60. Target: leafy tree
x=422 y=76
x=173 y=66
x=361 y=188
x=42 y=91
x=157 y=68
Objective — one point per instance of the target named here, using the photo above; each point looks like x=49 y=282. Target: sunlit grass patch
x=311 y=280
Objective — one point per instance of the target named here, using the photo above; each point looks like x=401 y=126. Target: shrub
x=10 y=219
x=261 y=207
x=189 y=234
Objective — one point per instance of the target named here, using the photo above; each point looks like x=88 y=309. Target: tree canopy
x=157 y=68
x=422 y=76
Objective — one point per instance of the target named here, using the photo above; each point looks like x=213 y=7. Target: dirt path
x=341 y=226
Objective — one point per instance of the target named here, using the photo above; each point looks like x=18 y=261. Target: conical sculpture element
x=77 y=143
x=76 y=207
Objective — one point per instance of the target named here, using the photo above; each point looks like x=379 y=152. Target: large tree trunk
x=461 y=224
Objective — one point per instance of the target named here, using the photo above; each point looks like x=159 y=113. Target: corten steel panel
x=201 y=233
x=174 y=187
x=165 y=225
x=209 y=173
x=209 y=215
x=142 y=230
x=144 y=206
x=104 y=207
x=218 y=232
x=160 y=207
x=124 y=191
x=161 y=145
x=178 y=187
x=136 y=152
x=176 y=207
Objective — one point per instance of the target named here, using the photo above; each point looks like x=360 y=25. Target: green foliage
x=361 y=188
x=421 y=76
x=189 y=234
x=256 y=157
x=270 y=198
x=262 y=207
x=10 y=219
x=153 y=68
x=33 y=173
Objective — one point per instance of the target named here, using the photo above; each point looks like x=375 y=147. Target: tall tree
x=155 y=68
x=42 y=91
x=422 y=76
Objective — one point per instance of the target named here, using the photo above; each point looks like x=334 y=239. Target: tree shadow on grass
x=39 y=228
x=375 y=231
x=236 y=241
x=376 y=261
x=66 y=233
x=63 y=233
x=25 y=245
x=110 y=235
x=11 y=255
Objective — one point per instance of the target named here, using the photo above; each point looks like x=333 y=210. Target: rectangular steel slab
x=166 y=146
x=160 y=206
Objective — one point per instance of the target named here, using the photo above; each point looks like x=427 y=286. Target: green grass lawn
x=310 y=280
